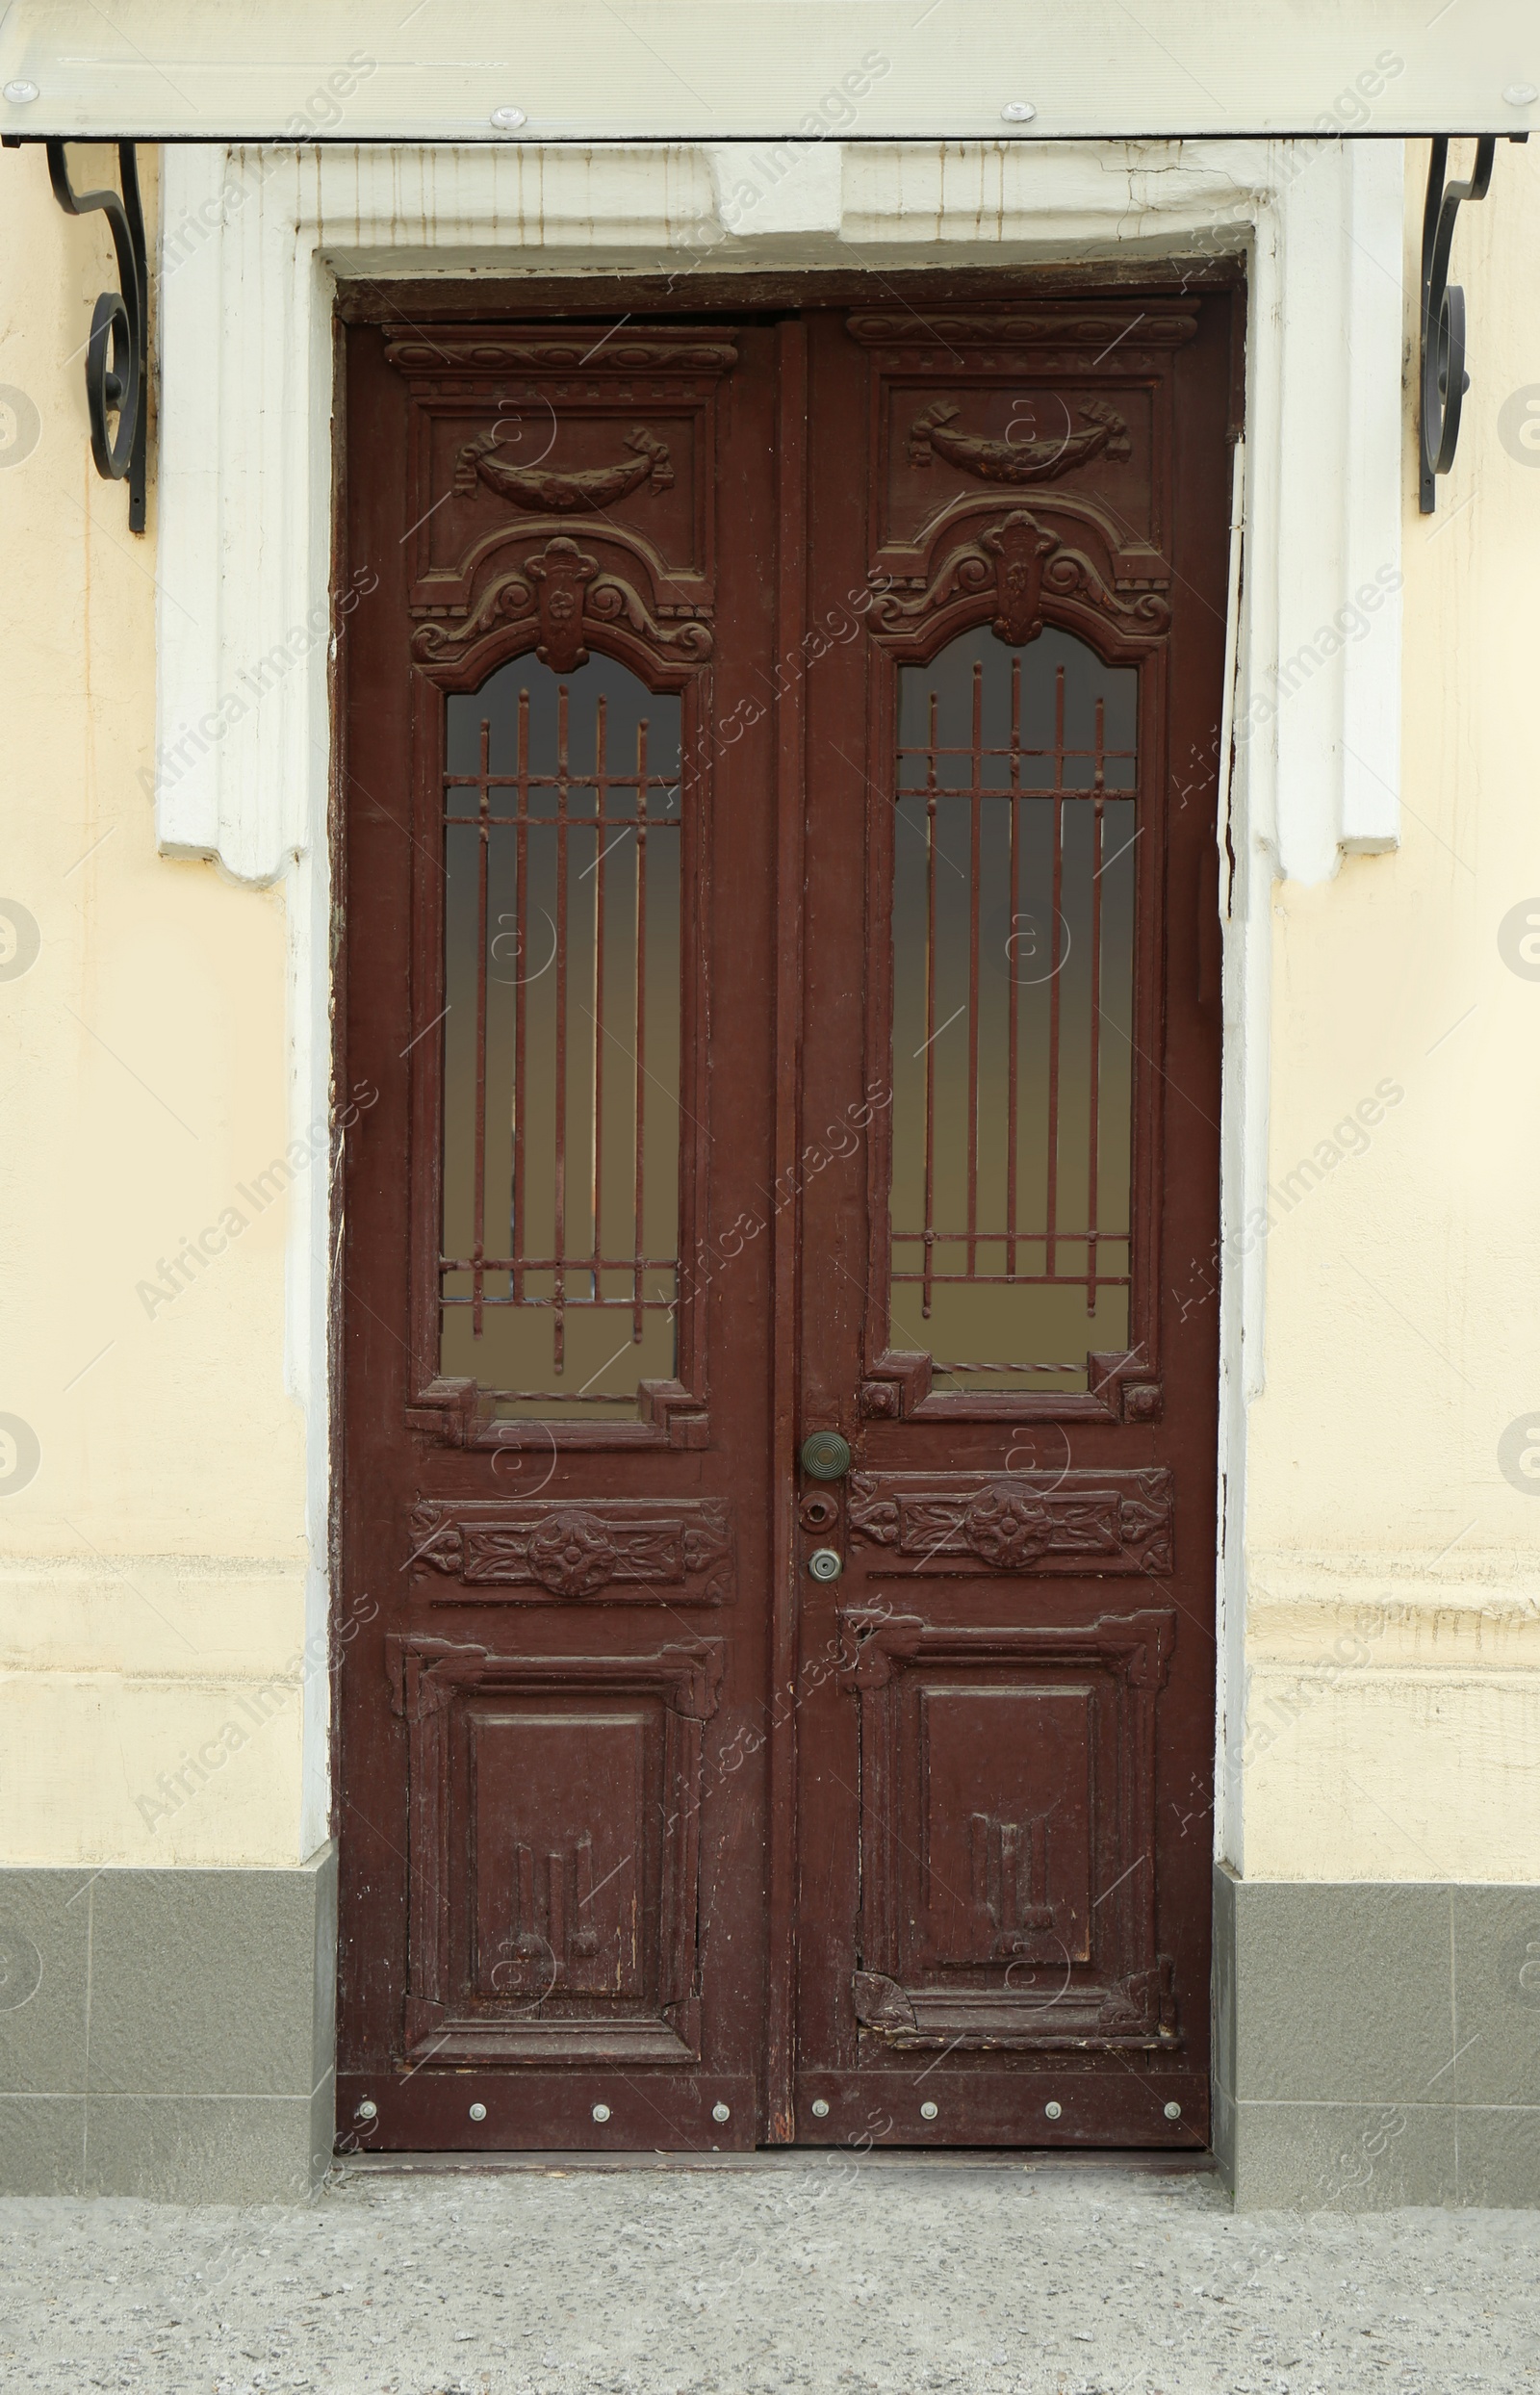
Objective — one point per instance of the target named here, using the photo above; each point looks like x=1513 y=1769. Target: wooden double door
x=777 y=911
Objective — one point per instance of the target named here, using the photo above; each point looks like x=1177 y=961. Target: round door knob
x=826 y=1456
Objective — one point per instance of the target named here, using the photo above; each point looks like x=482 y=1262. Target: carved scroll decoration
x=563 y=588
x=1023 y=559
x=541 y=490
x=624 y=1550
x=1019 y=461
x=1020 y=1522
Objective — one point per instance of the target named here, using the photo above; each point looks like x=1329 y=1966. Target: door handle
x=825 y=1456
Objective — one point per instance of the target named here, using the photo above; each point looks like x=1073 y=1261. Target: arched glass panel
x=561 y=1039
x=1014 y=882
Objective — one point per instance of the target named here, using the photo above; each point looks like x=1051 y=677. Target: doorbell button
x=1174 y=2112
x=825 y=1564
x=928 y=2111
x=600 y=2112
x=478 y=2112
x=820 y=2109
x=721 y=2112
x=1053 y=2111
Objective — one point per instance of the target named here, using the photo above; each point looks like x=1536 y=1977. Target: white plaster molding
x=253 y=243
x=245 y=364
x=778 y=187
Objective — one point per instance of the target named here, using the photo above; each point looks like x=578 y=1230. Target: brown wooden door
x=559 y=905
x=1004 y=1895
x=772 y=946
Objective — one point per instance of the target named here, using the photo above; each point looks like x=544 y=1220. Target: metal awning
x=715 y=70
x=591 y=71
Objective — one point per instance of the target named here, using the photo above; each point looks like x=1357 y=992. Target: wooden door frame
x=738 y=294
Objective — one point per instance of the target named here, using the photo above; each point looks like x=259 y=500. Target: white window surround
x=253 y=243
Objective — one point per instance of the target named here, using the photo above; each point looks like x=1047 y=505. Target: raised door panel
x=555 y=1851
x=1008 y=1820
x=1006 y=1784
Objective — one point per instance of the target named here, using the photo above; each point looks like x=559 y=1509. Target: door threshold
x=1154 y=2165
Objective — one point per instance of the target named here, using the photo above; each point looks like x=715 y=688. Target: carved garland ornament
x=1022 y=558
x=541 y=490
x=1018 y=461
x=563 y=588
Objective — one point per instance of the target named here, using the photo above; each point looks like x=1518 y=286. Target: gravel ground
x=835 y=2275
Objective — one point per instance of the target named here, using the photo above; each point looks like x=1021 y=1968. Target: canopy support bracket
x=116 y=354
x=1443 y=382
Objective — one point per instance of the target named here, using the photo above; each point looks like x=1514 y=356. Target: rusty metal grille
x=1014 y=860
x=560 y=1269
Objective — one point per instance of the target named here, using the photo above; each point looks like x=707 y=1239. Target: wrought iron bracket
x=118 y=351
x=1443 y=382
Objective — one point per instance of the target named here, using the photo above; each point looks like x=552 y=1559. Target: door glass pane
x=1014 y=857
x=561 y=1039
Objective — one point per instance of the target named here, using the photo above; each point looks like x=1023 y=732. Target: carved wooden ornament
x=1019 y=461
x=564 y=588
x=1021 y=558
x=624 y=1551
x=1018 y=1522
x=1019 y=549
x=633 y=426
x=541 y=490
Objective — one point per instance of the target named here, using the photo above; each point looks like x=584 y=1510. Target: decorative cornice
x=451 y=352
x=1007 y=328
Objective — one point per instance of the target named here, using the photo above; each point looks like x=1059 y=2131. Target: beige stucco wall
x=151 y=1571
x=1402 y=1323
x=151 y=1584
